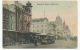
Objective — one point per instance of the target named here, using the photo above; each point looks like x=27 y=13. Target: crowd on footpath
x=19 y=43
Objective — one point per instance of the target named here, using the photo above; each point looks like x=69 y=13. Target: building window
x=33 y=30
x=45 y=25
x=33 y=26
x=11 y=18
x=45 y=31
x=42 y=31
x=42 y=25
x=37 y=30
x=37 y=26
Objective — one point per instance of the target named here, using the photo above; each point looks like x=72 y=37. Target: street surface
x=57 y=44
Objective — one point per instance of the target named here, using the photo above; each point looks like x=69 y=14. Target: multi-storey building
x=66 y=31
x=17 y=15
x=51 y=28
x=8 y=22
x=23 y=16
x=40 y=25
x=6 y=13
x=16 y=21
x=58 y=23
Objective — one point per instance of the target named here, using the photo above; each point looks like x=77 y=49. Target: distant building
x=40 y=25
x=59 y=28
x=51 y=28
x=66 y=31
x=64 y=25
x=58 y=23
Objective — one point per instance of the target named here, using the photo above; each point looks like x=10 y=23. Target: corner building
x=16 y=22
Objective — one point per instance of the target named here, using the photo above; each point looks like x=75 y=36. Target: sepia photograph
x=40 y=24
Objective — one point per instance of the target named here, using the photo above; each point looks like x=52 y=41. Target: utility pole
x=44 y=13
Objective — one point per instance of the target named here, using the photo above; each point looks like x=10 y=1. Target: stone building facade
x=23 y=16
x=16 y=21
x=51 y=27
x=40 y=25
x=17 y=16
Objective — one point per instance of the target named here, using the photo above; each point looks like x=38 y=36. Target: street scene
x=39 y=24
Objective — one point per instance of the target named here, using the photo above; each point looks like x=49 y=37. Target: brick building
x=16 y=22
x=23 y=16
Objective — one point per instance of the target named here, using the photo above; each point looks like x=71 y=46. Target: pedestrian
x=35 y=41
x=13 y=43
x=19 y=44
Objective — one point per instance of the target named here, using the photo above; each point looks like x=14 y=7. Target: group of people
x=34 y=40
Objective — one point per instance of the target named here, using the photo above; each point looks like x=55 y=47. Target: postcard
x=40 y=24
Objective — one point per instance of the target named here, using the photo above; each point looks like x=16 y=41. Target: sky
x=67 y=10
